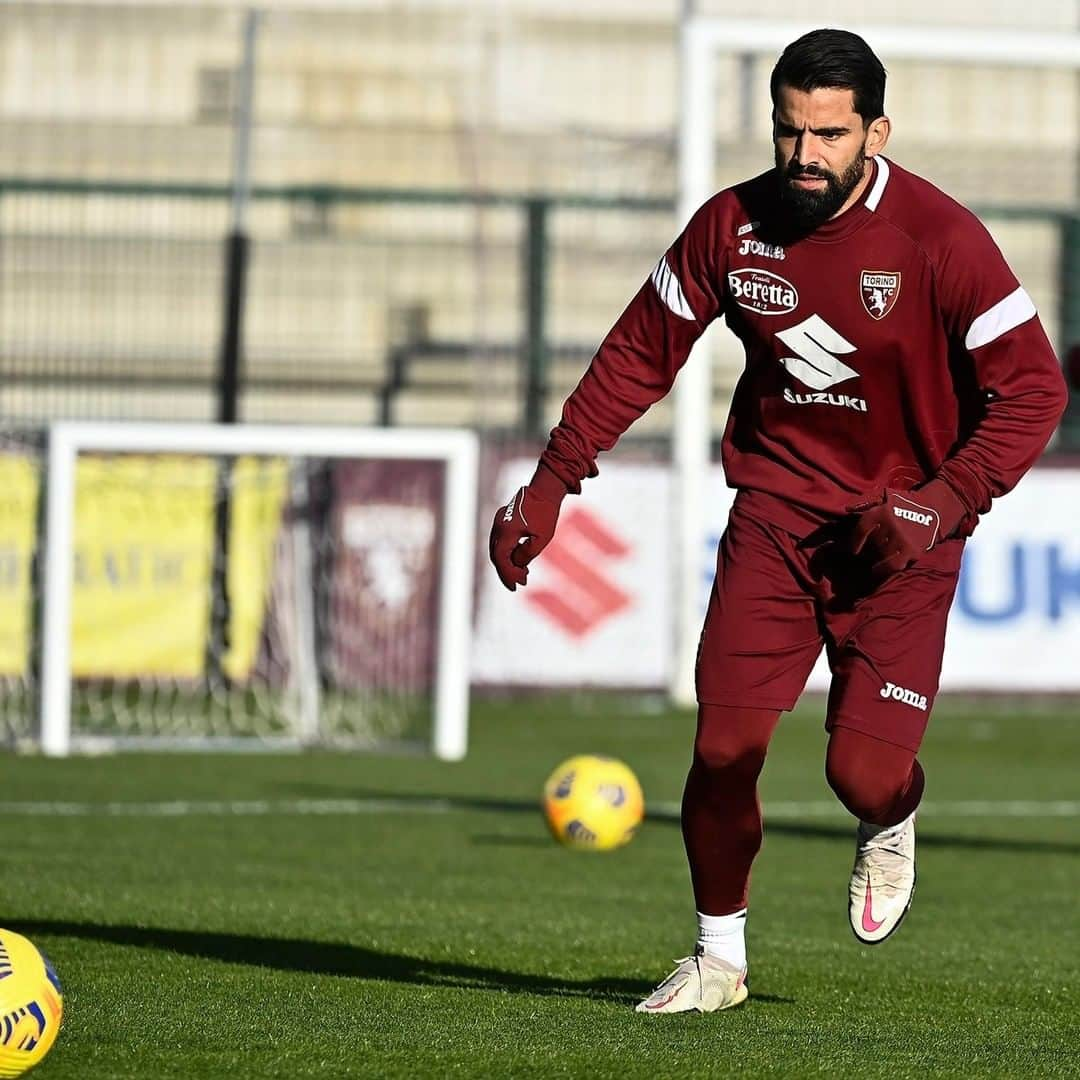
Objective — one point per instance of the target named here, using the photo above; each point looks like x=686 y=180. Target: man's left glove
x=525 y=526
x=896 y=529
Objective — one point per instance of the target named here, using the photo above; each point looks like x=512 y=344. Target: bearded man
x=897 y=381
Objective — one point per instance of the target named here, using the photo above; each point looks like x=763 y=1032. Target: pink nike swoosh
x=869 y=923
x=670 y=997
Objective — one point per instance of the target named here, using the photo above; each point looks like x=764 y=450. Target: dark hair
x=836 y=59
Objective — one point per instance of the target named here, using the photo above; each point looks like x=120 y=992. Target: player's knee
x=869 y=777
x=870 y=801
x=725 y=758
x=732 y=740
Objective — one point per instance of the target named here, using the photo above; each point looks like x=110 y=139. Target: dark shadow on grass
x=844 y=831
x=335 y=958
x=928 y=839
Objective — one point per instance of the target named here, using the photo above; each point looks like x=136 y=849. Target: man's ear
x=877 y=135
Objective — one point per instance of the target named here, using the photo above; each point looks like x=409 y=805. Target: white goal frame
x=701 y=39
x=457 y=448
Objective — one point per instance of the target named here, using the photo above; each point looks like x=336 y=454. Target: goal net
x=206 y=587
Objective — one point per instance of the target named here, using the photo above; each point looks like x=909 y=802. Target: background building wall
x=400 y=103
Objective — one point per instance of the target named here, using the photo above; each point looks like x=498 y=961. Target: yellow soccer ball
x=31 y=1005
x=593 y=803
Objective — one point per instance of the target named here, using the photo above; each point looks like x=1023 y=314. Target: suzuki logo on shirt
x=816 y=364
x=819 y=397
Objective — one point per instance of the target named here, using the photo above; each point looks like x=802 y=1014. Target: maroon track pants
x=876 y=780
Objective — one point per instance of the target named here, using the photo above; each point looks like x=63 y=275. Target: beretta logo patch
x=879 y=291
x=762 y=291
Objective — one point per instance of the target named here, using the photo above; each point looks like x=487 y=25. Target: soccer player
x=897 y=380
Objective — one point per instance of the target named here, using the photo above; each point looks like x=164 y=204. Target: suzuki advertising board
x=598 y=607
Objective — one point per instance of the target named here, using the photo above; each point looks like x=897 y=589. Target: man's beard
x=809 y=209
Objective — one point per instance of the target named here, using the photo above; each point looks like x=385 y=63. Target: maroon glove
x=525 y=526
x=894 y=530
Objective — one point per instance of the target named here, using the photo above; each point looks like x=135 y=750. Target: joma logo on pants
x=913 y=515
x=908 y=697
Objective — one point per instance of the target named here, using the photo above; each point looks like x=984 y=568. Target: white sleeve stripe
x=670 y=291
x=1004 y=316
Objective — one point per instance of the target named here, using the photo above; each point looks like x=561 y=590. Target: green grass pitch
x=453 y=938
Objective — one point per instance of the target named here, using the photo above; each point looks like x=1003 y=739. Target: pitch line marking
x=976 y=808
x=823 y=808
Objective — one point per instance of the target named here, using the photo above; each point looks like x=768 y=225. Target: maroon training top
x=890 y=345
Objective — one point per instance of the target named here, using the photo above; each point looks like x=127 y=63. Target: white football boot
x=882 y=879
x=700 y=983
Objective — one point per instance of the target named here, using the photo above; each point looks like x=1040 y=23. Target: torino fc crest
x=879 y=291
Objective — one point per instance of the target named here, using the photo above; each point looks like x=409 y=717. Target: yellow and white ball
x=593 y=803
x=31 y=1005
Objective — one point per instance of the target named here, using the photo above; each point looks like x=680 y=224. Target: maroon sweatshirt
x=890 y=345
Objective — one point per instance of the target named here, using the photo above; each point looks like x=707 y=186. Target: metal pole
x=1070 y=281
x=692 y=437
x=230 y=361
x=59 y=575
x=1069 y=336
x=536 y=358
x=236 y=243
x=304 y=672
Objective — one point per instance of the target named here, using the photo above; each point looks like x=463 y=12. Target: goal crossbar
x=457 y=448
x=954 y=44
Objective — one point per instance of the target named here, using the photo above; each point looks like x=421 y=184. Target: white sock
x=869 y=832
x=723 y=936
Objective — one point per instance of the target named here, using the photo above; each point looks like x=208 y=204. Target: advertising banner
x=1015 y=622
x=597 y=612
x=384 y=581
x=144 y=531
x=18 y=531
x=597 y=609
x=143 y=557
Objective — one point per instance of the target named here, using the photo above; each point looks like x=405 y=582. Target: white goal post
x=457 y=449
x=702 y=38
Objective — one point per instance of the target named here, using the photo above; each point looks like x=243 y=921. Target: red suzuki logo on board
x=582 y=597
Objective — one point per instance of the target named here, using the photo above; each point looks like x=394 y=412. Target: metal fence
x=363 y=305
x=450 y=203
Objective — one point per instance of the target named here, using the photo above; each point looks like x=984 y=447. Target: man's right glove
x=525 y=526
x=892 y=531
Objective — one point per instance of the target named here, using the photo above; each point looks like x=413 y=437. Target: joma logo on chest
x=750 y=246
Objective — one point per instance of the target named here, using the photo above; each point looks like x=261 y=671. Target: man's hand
x=896 y=529
x=525 y=526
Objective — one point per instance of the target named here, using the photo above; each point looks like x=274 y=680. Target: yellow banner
x=18 y=515
x=144 y=531
x=260 y=487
